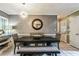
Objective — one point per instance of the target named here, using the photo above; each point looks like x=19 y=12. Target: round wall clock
x=37 y=24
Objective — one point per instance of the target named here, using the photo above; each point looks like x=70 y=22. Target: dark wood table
x=29 y=39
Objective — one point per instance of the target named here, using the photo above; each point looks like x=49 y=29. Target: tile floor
x=65 y=50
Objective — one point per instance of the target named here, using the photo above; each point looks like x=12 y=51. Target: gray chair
x=15 y=37
x=58 y=35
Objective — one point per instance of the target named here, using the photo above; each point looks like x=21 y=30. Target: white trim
x=4 y=17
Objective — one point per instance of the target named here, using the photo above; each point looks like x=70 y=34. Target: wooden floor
x=67 y=47
x=68 y=50
x=65 y=50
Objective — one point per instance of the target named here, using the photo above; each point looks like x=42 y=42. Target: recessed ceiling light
x=23 y=14
x=23 y=3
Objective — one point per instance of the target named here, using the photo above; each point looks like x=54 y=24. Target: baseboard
x=74 y=47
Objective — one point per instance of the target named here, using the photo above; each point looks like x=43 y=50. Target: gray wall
x=3 y=14
x=24 y=26
x=14 y=19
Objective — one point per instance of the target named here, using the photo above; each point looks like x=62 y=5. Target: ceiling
x=61 y=9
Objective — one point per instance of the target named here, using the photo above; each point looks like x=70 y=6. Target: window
x=4 y=26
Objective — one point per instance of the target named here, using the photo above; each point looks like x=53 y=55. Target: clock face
x=37 y=24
